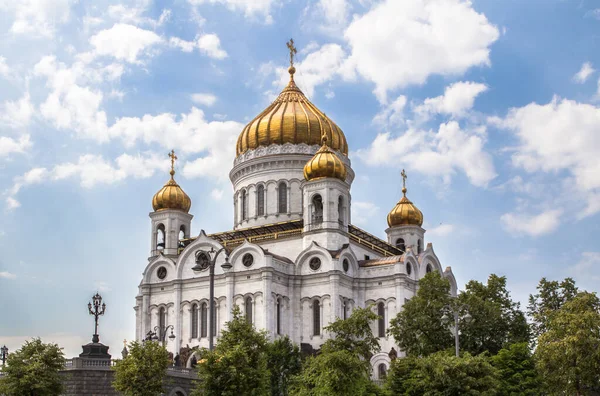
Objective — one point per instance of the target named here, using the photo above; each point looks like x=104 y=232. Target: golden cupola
x=291 y=118
x=171 y=196
x=325 y=163
x=405 y=212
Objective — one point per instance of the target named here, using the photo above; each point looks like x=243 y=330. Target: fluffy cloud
x=7 y=275
x=533 y=225
x=363 y=211
x=4 y=69
x=38 y=17
x=560 y=136
x=582 y=75
x=9 y=145
x=217 y=194
x=16 y=114
x=124 y=42
x=392 y=114
x=440 y=153
x=205 y=99
x=209 y=44
x=250 y=8
x=398 y=43
x=335 y=11
x=442 y=230
x=587 y=270
x=458 y=98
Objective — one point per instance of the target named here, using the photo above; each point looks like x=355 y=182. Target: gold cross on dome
x=173 y=158
x=293 y=51
x=403 y=174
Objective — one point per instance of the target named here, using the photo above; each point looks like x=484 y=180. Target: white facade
x=296 y=266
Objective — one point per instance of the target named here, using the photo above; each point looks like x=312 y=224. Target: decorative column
x=334 y=283
x=267 y=278
x=178 y=318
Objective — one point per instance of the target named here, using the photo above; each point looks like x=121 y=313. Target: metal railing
x=106 y=364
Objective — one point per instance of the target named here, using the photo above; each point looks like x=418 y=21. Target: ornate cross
x=173 y=158
x=293 y=51
x=403 y=174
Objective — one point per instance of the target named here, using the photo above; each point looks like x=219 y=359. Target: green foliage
x=496 y=320
x=551 y=296
x=517 y=371
x=443 y=374
x=142 y=372
x=331 y=374
x=420 y=328
x=283 y=362
x=33 y=370
x=238 y=365
x=568 y=353
x=353 y=334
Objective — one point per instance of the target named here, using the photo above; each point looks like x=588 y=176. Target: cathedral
x=293 y=262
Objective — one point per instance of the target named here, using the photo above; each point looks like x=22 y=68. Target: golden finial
x=293 y=51
x=404 y=177
x=324 y=140
x=173 y=158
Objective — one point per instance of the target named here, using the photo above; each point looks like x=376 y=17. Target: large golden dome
x=325 y=163
x=171 y=196
x=405 y=212
x=291 y=118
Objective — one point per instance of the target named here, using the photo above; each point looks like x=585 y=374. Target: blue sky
x=492 y=107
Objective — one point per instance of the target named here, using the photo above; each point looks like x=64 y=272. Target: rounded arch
x=202 y=242
x=236 y=255
x=348 y=254
x=376 y=361
x=150 y=273
x=178 y=391
x=282 y=196
x=313 y=250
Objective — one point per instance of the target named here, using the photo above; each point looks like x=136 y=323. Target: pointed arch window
x=160 y=237
x=260 y=204
x=248 y=309
x=203 y=320
x=428 y=269
x=345 y=309
x=195 y=321
x=316 y=317
x=400 y=244
x=244 y=205
x=317 y=203
x=419 y=246
x=282 y=202
x=381 y=320
x=278 y=313
x=382 y=371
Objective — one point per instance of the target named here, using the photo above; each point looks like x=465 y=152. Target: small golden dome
x=171 y=196
x=405 y=212
x=291 y=118
x=325 y=163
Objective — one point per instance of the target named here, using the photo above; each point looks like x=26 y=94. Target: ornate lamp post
x=4 y=354
x=206 y=260
x=160 y=334
x=98 y=309
x=456 y=310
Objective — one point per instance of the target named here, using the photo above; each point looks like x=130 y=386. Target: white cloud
x=440 y=153
x=208 y=44
x=398 y=43
x=124 y=42
x=582 y=75
x=458 y=98
x=392 y=114
x=206 y=99
x=587 y=270
x=102 y=286
x=441 y=230
x=217 y=194
x=9 y=145
x=17 y=114
x=4 y=69
x=362 y=212
x=38 y=17
x=250 y=8
x=315 y=69
x=561 y=136
x=7 y=275
x=12 y=203
x=533 y=225
x=335 y=11
x=134 y=15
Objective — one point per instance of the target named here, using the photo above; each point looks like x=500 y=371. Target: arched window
x=400 y=244
x=204 y=320
x=278 y=313
x=213 y=320
x=260 y=204
x=345 y=309
x=341 y=210
x=381 y=320
x=195 y=321
x=382 y=371
x=316 y=318
x=160 y=237
x=419 y=246
x=162 y=322
x=181 y=235
x=408 y=268
x=282 y=204
x=244 y=205
x=428 y=269
x=248 y=309
x=317 y=216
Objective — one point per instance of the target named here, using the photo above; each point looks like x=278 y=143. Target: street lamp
x=456 y=310
x=98 y=309
x=160 y=333
x=206 y=260
x=4 y=352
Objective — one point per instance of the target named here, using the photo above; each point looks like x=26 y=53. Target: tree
x=443 y=374
x=551 y=296
x=568 y=353
x=238 y=365
x=495 y=319
x=353 y=334
x=33 y=370
x=283 y=362
x=518 y=374
x=422 y=328
x=141 y=373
